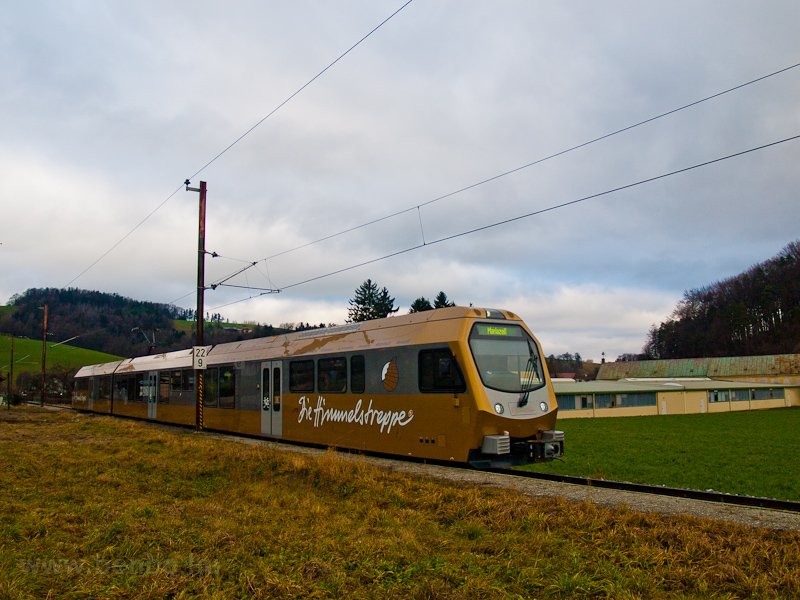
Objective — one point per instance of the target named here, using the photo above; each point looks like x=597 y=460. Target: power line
x=522 y=167
x=239 y=139
x=508 y=172
x=537 y=212
x=535 y=162
x=124 y=237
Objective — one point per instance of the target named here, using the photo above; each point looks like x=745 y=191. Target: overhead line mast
x=199 y=318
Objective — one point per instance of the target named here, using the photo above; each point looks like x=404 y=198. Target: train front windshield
x=507 y=358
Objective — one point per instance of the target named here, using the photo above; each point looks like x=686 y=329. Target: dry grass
x=98 y=507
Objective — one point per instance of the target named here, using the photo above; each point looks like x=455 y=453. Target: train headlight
x=543 y=406
x=498 y=408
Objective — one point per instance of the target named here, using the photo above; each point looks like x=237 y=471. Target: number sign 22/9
x=199 y=356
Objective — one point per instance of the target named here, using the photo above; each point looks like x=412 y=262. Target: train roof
x=440 y=325
x=101 y=369
x=427 y=327
x=180 y=359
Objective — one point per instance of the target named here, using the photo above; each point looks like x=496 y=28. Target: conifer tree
x=421 y=304
x=370 y=303
x=442 y=301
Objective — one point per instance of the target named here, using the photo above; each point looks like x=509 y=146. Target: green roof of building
x=732 y=366
x=630 y=387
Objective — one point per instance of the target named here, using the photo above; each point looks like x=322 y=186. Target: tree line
x=369 y=302
x=754 y=313
x=112 y=323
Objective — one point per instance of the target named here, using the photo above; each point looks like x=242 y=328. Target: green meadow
x=753 y=453
x=28 y=356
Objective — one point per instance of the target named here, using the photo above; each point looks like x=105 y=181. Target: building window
x=740 y=395
x=718 y=396
x=301 y=376
x=768 y=394
x=439 y=372
x=332 y=375
x=636 y=399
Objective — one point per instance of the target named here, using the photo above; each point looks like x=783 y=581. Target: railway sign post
x=199 y=355
x=201 y=265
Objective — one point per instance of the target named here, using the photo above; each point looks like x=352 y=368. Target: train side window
x=227 y=387
x=332 y=375
x=211 y=387
x=301 y=376
x=176 y=381
x=187 y=380
x=163 y=386
x=104 y=388
x=439 y=372
x=357 y=374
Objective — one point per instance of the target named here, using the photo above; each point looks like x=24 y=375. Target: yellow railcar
x=459 y=384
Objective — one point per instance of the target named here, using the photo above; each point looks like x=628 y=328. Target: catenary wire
x=528 y=215
x=519 y=168
x=535 y=162
x=239 y=139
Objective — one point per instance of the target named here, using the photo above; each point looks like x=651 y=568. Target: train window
x=211 y=387
x=187 y=380
x=332 y=375
x=121 y=389
x=276 y=389
x=163 y=386
x=507 y=358
x=142 y=387
x=439 y=372
x=301 y=376
x=104 y=388
x=176 y=384
x=357 y=374
x=227 y=387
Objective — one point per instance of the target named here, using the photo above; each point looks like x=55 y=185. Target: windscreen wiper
x=530 y=367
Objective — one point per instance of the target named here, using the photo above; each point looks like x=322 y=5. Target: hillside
x=28 y=356
x=754 y=313
x=62 y=362
x=111 y=323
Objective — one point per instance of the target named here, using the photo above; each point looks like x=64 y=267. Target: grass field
x=93 y=506
x=28 y=356
x=753 y=453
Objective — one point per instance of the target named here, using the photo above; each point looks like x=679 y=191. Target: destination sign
x=500 y=330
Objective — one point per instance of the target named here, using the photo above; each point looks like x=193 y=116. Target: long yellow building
x=683 y=386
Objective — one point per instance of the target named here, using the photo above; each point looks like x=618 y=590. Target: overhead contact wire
x=239 y=139
x=544 y=210
x=533 y=163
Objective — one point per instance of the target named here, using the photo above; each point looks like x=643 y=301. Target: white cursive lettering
x=319 y=415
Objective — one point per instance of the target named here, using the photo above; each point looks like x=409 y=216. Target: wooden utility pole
x=44 y=352
x=201 y=262
x=10 y=375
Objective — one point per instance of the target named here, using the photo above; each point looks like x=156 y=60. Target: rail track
x=705 y=495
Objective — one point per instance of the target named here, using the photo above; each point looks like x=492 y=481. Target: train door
x=271 y=399
x=152 y=394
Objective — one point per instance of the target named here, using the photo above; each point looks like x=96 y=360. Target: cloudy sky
x=107 y=107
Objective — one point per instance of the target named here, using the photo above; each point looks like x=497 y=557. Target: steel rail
x=658 y=490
